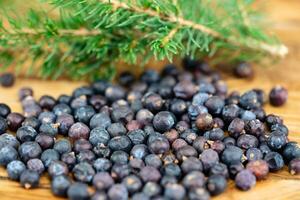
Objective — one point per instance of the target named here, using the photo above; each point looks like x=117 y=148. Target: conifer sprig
x=90 y=36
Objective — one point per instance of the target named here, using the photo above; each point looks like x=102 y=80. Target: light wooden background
x=285 y=15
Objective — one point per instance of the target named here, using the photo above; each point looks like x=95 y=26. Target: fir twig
x=90 y=34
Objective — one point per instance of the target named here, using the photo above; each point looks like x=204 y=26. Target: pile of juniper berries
x=175 y=135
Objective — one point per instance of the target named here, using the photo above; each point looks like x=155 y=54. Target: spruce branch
x=89 y=35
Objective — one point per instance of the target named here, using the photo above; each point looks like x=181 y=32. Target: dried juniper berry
x=249 y=100
x=133 y=183
x=200 y=144
x=60 y=185
x=294 y=166
x=69 y=158
x=277 y=140
x=217 y=146
x=150 y=76
x=47 y=102
x=47 y=117
x=274 y=160
x=209 y=158
x=174 y=191
x=84 y=114
x=137 y=136
x=185 y=152
x=236 y=127
x=281 y=128
x=200 y=98
x=230 y=112
x=278 y=95
x=259 y=168
x=158 y=144
x=198 y=193
x=120 y=143
x=79 y=130
x=136 y=164
x=29 y=179
x=229 y=141
x=246 y=141
x=184 y=89
x=7 y=79
x=126 y=78
x=102 y=151
x=144 y=116
x=151 y=189
x=14 y=169
x=35 y=164
x=26 y=133
x=205 y=87
x=78 y=191
x=61 y=108
x=118 y=192
x=4 y=110
x=189 y=136
x=66 y=99
x=48 y=156
x=119 y=171
x=178 y=107
x=215 y=105
x=191 y=164
x=116 y=129
x=219 y=169
x=152 y=102
x=102 y=181
x=99 y=195
x=254 y=154
x=272 y=119
x=14 y=121
x=57 y=168
x=139 y=151
x=65 y=122
x=163 y=121
x=62 y=146
x=85 y=156
x=49 y=129
x=99 y=136
x=234 y=169
x=254 y=127
x=97 y=101
x=264 y=148
x=195 y=110
x=216 y=184
x=119 y=157
x=153 y=160
x=290 y=151
x=214 y=134
x=102 y=165
x=133 y=125
x=3 y=125
x=83 y=172
x=82 y=145
x=172 y=169
x=204 y=122
x=247 y=115
x=171 y=135
x=8 y=154
x=232 y=155
x=243 y=70
x=82 y=91
x=29 y=150
x=149 y=173
x=122 y=114
x=33 y=122
x=245 y=180
x=114 y=92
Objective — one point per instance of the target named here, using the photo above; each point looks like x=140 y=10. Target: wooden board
x=278 y=186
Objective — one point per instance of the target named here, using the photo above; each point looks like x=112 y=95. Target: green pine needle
x=89 y=37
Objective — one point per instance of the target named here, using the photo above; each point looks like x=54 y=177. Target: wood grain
x=278 y=186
